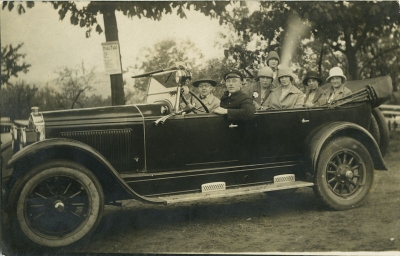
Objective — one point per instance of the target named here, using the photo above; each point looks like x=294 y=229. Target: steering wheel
x=197 y=98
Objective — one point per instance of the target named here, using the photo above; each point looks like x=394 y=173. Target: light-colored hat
x=272 y=55
x=285 y=71
x=265 y=72
x=336 y=71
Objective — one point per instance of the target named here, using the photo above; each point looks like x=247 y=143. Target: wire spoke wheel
x=57 y=203
x=57 y=206
x=344 y=173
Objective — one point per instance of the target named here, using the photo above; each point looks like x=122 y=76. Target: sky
x=50 y=43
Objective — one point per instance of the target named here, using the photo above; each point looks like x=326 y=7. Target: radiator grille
x=115 y=145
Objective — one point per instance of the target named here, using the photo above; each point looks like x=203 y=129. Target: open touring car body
x=153 y=153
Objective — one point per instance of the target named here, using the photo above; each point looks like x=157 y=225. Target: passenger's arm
x=300 y=100
x=246 y=111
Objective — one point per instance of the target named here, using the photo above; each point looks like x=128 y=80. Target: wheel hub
x=344 y=173
x=59 y=205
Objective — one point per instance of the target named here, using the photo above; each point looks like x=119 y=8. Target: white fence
x=392 y=115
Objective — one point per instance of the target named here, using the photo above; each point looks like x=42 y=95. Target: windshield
x=162 y=86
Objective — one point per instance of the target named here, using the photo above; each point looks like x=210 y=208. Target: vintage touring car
x=69 y=164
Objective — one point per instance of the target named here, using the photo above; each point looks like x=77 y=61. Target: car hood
x=113 y=114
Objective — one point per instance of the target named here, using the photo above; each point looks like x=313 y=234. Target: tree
x=87 y=17
x=11 y=63
x=335 y=28
x=17 y=100
x=165 y=54
x=74 y=83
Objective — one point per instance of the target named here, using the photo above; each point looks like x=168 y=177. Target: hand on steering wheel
x=193 y=108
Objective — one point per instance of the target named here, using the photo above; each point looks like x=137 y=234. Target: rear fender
x=320 y=136
x=52 y=149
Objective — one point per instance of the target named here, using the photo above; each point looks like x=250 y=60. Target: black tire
x=344 y=174
x=383 y=131
x=56 y=204
x=374 y=129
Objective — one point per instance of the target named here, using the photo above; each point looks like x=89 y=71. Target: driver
x=206 y=87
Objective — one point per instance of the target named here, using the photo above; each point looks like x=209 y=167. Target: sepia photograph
x=200 y=127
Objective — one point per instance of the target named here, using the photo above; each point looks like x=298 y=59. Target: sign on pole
x=112 y=59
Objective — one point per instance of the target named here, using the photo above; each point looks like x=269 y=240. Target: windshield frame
x=173 y=91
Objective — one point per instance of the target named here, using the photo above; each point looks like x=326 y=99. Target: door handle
x=231 y=126
x=305 y=121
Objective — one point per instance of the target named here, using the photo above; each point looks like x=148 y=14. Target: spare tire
x=374 y=129
x=383 y=141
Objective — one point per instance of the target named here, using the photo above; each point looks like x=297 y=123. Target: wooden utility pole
x=111 y=32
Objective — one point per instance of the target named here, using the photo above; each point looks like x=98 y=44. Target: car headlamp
x=36 y=123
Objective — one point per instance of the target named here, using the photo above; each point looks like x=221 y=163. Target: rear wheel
x=56 y=204
x=344 y=175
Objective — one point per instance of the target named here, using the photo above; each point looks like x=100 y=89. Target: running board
x=235 y=191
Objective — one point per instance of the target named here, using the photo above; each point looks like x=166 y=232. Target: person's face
x=336 y=81
x=273 y=63
x=312 y=83
x=265 y=82
x=205 y=89
x=233 y=84
x=285 y=81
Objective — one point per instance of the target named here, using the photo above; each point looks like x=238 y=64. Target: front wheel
x=56 y=204
x=344 y=175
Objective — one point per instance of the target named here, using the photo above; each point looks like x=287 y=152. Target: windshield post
x=177 y=100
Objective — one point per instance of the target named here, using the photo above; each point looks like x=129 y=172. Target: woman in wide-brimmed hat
x=337 y=90
x=315 y=96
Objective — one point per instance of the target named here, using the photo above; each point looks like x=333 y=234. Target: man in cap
x=287 y=95
x=205 y=86
x=315 y=96
x=261 y=90
x=235 y=103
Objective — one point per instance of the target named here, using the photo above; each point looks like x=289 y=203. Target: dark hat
x=233 y=74
x=312 y=74
x=204 y=80
x=272 y=55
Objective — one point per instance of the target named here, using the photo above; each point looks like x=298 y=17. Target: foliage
x=348 y=34
x=87 y=16
x=74 y=83
x=10 y=62
x=17 y=100
x=165 y=54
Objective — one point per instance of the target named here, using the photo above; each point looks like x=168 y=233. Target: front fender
x=84 y=150
x=319 y=136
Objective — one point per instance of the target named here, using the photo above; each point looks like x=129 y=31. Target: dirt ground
x=256 y=224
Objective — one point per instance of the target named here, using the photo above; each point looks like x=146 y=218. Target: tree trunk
x=353 y=64
x=111 y=32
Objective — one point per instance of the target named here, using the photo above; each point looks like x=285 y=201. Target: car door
x=211 y=141
x=281 y=134
x=164 y=144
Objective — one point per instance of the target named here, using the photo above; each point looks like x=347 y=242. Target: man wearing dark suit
x=235 y=103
